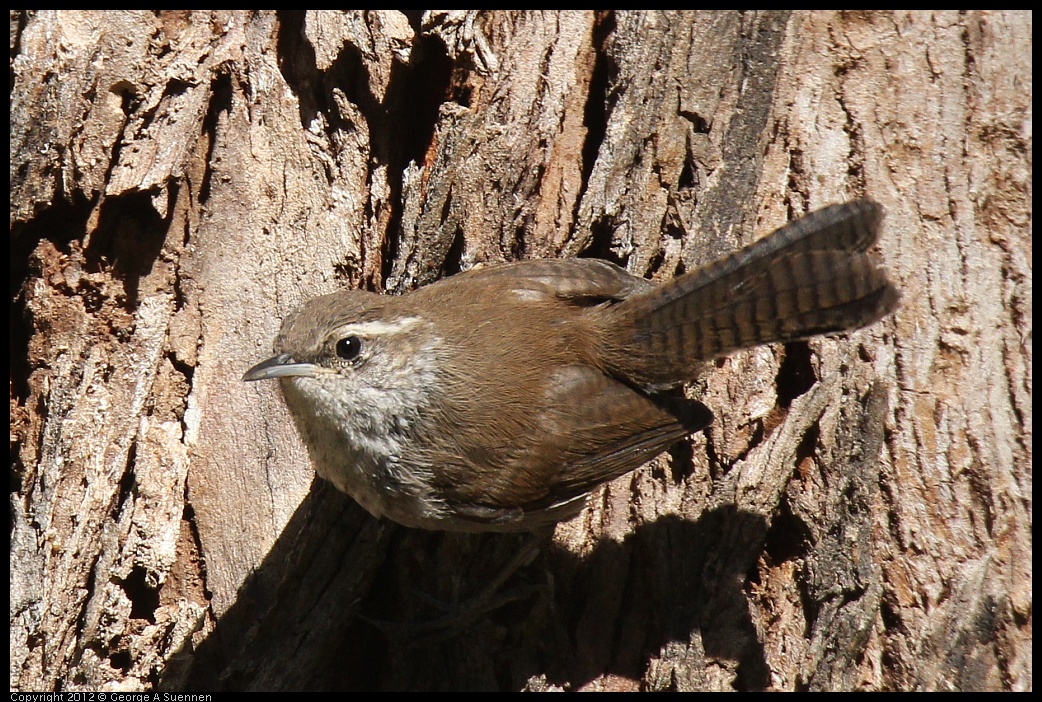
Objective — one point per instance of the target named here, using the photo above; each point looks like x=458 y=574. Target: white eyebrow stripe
x=377 y=328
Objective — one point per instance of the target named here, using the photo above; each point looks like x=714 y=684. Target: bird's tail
x=813 y=276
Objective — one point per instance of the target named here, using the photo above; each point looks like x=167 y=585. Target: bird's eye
x=349 y=347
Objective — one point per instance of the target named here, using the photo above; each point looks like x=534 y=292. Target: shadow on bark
x=305 y=619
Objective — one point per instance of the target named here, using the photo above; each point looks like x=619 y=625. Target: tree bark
x=858 y=516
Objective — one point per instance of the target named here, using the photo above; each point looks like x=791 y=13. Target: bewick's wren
x=497 y=399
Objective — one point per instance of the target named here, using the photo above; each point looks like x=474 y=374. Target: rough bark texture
x=857 y=517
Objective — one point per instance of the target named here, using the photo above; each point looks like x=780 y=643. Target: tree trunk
x=858 y=516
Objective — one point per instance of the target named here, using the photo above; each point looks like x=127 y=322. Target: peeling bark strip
x=858 y=516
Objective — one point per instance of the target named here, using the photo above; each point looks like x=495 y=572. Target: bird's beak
x=282 y=366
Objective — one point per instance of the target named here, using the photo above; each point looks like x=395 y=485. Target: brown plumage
x=498 y=398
